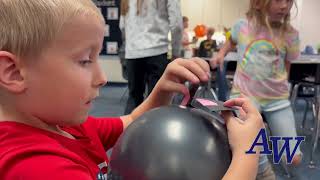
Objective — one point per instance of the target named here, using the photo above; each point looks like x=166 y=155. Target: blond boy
x=49 y=76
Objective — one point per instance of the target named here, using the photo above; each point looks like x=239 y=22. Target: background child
x=266 y=43
x=208 y=46
x=49 y=75
x=187 y=44
x=185 y=37
x=227 y=33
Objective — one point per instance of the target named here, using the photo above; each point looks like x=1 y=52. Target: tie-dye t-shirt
x=261 y=72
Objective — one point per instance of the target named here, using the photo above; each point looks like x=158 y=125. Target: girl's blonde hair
x=124 y=6
x=27 y=27
x=258 y=14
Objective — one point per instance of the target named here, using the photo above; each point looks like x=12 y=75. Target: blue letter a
x=286 y=147
x=264 y=143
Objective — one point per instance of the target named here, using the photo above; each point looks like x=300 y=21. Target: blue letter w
x=285 y=148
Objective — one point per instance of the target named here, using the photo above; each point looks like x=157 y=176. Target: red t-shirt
x=31 y=153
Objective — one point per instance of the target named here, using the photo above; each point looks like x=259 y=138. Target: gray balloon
x=172 y=143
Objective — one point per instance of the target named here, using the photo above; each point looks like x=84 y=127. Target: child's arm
x=288 y=66
x=293 y=49
x=219 y=58
x=241 y=136
x=176 y=74
x=242 y=167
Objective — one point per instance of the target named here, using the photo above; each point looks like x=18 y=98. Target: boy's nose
x=100 y=78
x=102 y=82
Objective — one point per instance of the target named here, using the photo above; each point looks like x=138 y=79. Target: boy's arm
x=150 y=103
x=242 y=167
x=172 y=81
x=109 y=129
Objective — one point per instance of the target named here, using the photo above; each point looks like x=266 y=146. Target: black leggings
x=143 y=72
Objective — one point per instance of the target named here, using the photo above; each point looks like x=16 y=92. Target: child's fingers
x=245 y=104
x=181 y=74
x=227 y=116
x=199 y=67
x=231 y=119
x=242 y=114
x=240 y=102
x=213 y=63
x=176 y=87
x=203 y=64
x=193 y=68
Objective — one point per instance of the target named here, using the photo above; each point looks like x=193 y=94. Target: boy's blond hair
x=27 y=27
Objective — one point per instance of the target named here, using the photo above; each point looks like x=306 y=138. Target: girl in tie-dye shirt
x=266 y=44
x=262 y=71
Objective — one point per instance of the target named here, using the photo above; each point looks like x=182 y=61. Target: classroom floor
x=112 y=101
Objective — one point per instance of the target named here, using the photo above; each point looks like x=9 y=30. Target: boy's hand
x=176 y=74
x=242 y=132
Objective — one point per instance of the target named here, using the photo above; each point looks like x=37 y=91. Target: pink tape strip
x=206 y=102
x=185 y=99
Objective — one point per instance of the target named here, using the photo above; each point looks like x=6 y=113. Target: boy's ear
x=11 y=77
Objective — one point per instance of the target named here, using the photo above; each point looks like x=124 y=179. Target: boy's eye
x=85 y=62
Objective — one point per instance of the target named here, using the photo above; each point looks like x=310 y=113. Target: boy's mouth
x=91 y=100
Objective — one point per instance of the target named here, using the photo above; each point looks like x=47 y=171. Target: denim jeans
x=222 y=84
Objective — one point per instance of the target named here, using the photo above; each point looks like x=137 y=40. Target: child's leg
x=136 y=83
x=155 y=66
x=282 y=123
x=222 y=84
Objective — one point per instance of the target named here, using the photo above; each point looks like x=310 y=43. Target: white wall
x=112 y=68
x=308 y=23
x=216 y=13
x=219 y=13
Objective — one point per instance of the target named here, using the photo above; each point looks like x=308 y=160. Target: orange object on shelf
x=200 y=30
